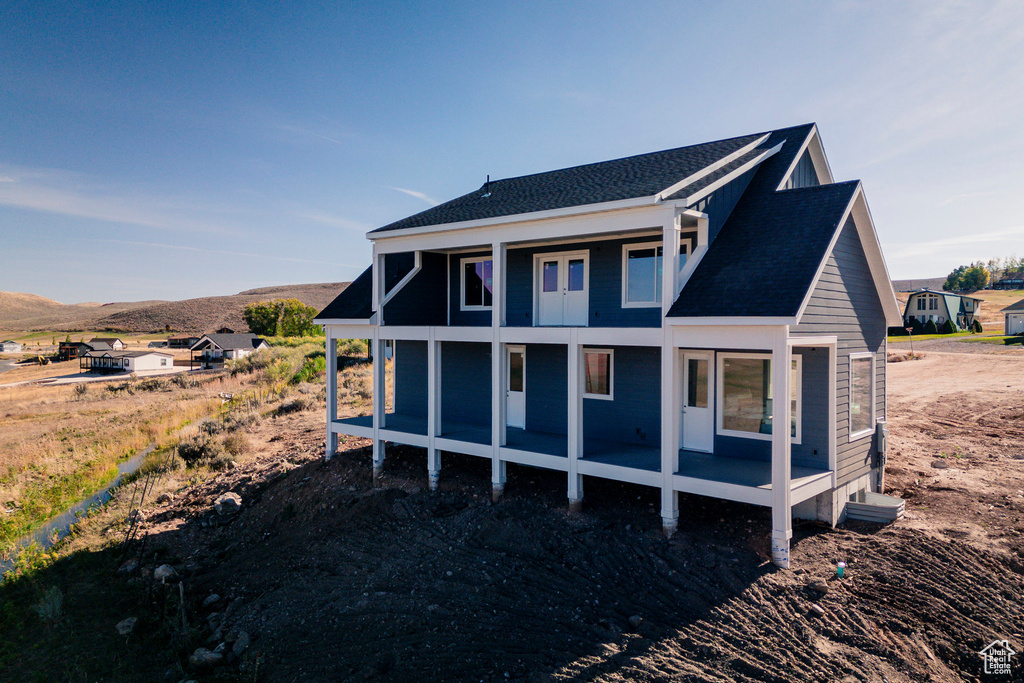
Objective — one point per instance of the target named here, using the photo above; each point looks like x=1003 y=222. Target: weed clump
x=211 y=426
x=236 y=444
x=294 y=405
x=196 y=450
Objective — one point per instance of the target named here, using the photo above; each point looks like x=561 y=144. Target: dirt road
x=334 y=580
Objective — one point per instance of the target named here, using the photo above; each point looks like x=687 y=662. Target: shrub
x=236 y=444
x=221 y=462
x=976 y=326
x=242 y=419
x=294 y=405
x=185 y=380
x=931 y=328
x=917 y=326
x=197 y=449
x=313 y=368
x=151 y=384
x=210 y=426
x=947 y=327
x=898 y=331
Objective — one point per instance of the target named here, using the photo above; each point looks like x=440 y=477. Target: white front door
x=562 y=290
x=698 y=401
x=515 y=382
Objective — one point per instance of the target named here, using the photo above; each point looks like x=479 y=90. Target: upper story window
x=477 y=283
x=641 y=275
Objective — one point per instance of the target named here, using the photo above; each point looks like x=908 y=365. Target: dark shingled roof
x=232 y=341
x=779 y=238
x=354 y=302
x=717 y=174
x=643 y=175
x=1019 y=306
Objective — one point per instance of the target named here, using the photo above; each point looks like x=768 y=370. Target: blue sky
x=171 y=150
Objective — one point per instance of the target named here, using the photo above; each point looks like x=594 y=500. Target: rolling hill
x=27 y=312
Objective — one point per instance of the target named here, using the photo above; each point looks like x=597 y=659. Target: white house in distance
x=113 y=342
x=1013 y=318
x=10 y=346
x=213 y=349
x=125 y=361
x=706 y=320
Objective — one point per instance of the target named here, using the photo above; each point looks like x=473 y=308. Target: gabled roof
x=354 y=302
x=126 y=354
x=643 y=175
x=784 y=233
x=1019 y=306
x=106 y=340
x=230 y=341
x=926 y=290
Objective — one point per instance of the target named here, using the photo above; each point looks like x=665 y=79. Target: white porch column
x=782 y=514
x=574 y=428
x=497 y=369
x=433 y=409
x=331 y=349
x=379 y=403
x=671 y=393
x=670 y=262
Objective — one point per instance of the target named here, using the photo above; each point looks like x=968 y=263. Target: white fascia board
x=360 y=331
x=620 y=336
x=821 y=165
x=578 y=227
x=325 y=322
x=753 y=495
x=724 y=336
x=711 y=168
x=812 y=340
x=733 y=320
x=403 y=332
x=464 y=334
x=534 y=335
x=513 y=218
x=729 y=177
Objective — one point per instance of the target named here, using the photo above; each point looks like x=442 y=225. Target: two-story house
x=653 y=319
x=930 y=305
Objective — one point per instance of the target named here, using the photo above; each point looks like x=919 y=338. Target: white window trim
x=462 y=283
x=626 y=248
x=871 y=428
x=610 y=396
x=795 y=392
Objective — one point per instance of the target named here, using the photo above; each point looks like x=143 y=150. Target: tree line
x=980 y=274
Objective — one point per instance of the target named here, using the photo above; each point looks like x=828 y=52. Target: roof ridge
x=628 y=157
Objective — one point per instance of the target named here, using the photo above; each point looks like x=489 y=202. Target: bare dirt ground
x=332 y=579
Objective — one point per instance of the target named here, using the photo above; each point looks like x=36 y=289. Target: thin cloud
x=305 y=131
x=225 y=252
x=334 y=221
x=901 y=250
x=417 y=195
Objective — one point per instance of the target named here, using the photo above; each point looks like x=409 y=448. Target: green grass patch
x=927 y=337
x=1001 y=340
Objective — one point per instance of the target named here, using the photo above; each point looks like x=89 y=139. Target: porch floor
x=739 y=471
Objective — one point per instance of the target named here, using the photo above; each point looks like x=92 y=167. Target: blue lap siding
x=634 y=416
x=845 y=303
x=465 y=383
x=547 y=394
x=411 y=377
x=422 y=300
x=605 y=293
x=457 y=316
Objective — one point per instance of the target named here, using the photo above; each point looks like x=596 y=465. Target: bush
x=151 y=384
x=947 y=327
x=242 y=419
x=185 y=380
x=236 y=444
x=295 y=405
x=314 y=367
x=898 y=331
x=916 y=326
x=976 y=326
x=197 y=449
x=931 y=328
x=210 y=426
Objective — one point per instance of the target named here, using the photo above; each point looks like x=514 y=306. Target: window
x=597 y=372
x=862 y=394
x=745 y=396
x=922 y=303
x=163 y=361
x=641 y=275
x=933 y=303
x=477 y=283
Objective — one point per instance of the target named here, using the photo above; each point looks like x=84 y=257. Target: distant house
x=1010 y=281
x=181 y=341
x=10 y=346
x=124 y=361
x=1013 y=318
x=113 y=342
x=213 y=349
x=224 y=330
x=72 y=350
x=929 y=304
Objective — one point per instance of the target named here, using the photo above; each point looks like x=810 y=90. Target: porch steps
x=876 y=507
